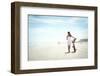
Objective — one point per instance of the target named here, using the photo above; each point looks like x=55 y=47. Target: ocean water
x=56 y=51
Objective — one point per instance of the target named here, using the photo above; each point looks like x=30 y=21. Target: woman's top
x=69 y=40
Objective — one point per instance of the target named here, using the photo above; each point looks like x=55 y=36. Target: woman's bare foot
x=67 y=52
x=74 y=51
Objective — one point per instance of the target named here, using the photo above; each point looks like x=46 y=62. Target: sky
x=55 y=28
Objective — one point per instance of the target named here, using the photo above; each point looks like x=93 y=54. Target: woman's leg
x=74 y=48
x=68 y=48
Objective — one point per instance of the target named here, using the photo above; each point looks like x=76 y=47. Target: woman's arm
x=73 y=37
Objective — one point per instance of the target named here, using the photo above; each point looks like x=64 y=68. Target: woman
x=69 y=42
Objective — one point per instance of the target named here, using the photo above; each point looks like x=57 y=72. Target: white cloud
x=46 y=20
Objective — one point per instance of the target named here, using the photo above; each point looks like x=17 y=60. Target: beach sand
x=56 y=51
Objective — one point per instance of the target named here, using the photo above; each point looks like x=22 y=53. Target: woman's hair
x=69 y=34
